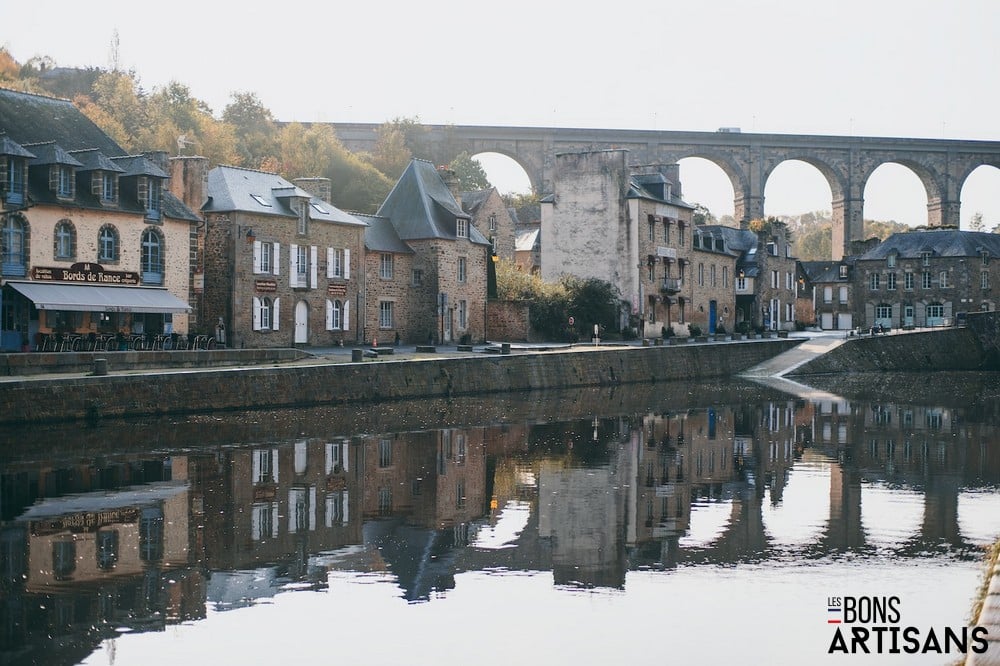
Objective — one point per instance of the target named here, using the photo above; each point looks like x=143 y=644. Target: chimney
x=320 y=188
x=189 y=180
x=672 y=172
x=451 y=180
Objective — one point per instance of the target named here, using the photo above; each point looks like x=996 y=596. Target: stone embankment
x=87 y=398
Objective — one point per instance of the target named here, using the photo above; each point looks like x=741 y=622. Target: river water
x=671 y=523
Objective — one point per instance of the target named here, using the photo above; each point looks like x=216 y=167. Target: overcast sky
x=909 y=68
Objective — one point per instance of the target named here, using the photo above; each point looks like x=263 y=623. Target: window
x=418 y=277
x=651 y=270
x=266 y=254
x=986 y=258
x=385 y=452
x=152 y=257
x=984 y=279
x=463 y=315
x=874 y=281
x=303 y=212
x=907 y=280
x=302 y=263
x=493 y=221
x=336 y=315
x=890 y=281
x=843 y=271
x=943 y=279
x=925 y=258
x=883 y=311
x=652 y=231
x=64 y=241
x=107 y=549
x=14 y=247
x=725 y=277
x=935 y=314
x=666 y=231
x=741 y=284
x=843 y=294
x=925 y=280
x=63 y=559
x=774 y=279
x=890 y=261
x=15 y=181
x=461 y=269
x=64 y=188
x=337 y=263
x=266 y=313
x=385 y=267
x=153 y=191
x=107 y=244
x=788 y=280
x=462 y=227
x=385 y=314
x=109 y=187
x=701 y=275
x=828 y=294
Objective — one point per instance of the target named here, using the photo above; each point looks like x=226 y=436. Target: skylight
x=259 y=199
x=318 y=208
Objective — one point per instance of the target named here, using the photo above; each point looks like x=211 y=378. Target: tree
x=255 y=130
x=470 y=173
x=175 y=116
x=702 y=215
x=10 y=70
x=976 y=222
x=117 y=106
x=391 y=155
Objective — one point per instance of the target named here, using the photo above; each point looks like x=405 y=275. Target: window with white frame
x=788 y=280
x=925 y=280
x=984 y=279
x=701 y=274
x=336 y=262
x=266 y=312
x=843 y=271
x=725 y=277
x=883 y=311
x=493 y=221
x=65 y=240
x=303 y=219
x=107 y=244
x=461 y=269
x=789 y=311
x=943 y=279
x=774 y=279
x=843 y=294
x=652 y=230
x=828 y=294
x=890 y=261
x=741 y=284
x=925 y=258
x=385 y=452
x=463 y=315
x=385 y=314
x=874 y=281
x=385 y=266
x=462 y=227
x=336 y=312
x=302 y=264
x=908 y=280
x=711 y=275
x=418 y=277
x=109 y=187
x=66 y=181
x=266 y=253
x=890 y=281
x=986 y=258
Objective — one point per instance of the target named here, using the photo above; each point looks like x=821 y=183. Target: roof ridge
x=33 y=94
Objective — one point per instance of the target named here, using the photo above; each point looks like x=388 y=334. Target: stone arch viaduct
x=748 y=159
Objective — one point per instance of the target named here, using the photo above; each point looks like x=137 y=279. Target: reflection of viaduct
x=942 y=165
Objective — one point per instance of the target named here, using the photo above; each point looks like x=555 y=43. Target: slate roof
x=471 y=201
x=741 y=242
x=648 y=186
x=10 y=147
x=380 y=236
x=527 y=240
x=421 y=206
x=29 y=118
x=232 y=189
x=94 y=160
x=939 y=242
x=824 y=271
x=49 y=152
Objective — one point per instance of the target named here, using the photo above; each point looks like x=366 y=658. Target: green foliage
x=391 y=155
x=470 y=173
x=702 y=215
x=255 y=129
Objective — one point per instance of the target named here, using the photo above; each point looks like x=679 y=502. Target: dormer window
x=925 y=258
x=890 y=261
x=64 y=181
x=109 y=186
x=986 y=258
x=462 y=228
x=843 y=271
x=303 y=219
x=14 y=180
x=150 y=190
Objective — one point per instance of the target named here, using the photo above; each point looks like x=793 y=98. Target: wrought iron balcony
x=671 y=285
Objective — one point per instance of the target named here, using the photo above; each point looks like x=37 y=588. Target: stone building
x=282 y=267
x=626 y=226
x=93 y=243
x=492 y=218
x=765 y=277
x=389 y=279
x=713 y=266
x=926 y=278
x=826 y=291
x=450 y=256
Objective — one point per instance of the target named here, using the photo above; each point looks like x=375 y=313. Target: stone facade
x=493 y=219
x=777 y=285
x=926 y=278
x=713 y=296
x=388 y=280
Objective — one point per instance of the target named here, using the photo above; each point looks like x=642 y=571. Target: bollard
x=505 y=348
x=100 y=366
x=357 y=355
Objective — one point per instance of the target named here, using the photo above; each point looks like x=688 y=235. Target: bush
x=695 y=330
x=743 y=327
x=720 y=329
x=667 y=332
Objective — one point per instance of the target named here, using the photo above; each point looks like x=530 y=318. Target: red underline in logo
x=833 y=621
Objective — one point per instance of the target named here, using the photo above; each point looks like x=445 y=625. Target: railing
x=671 y=284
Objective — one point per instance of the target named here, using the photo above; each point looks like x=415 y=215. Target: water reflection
x=102 y=535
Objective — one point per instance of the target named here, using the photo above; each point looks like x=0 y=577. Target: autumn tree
x=176 y=117
x=255 y=129
x=391 y=155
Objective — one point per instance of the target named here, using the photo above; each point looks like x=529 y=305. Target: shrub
x=694 y=329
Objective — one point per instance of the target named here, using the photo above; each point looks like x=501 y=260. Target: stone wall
x=127 y=396
x=508 y=321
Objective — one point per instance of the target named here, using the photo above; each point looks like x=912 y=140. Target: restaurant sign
x=266 y=285
x=85 y=273
x=336 y=289
x=85 y=521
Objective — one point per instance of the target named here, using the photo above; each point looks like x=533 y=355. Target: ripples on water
x=687 y=522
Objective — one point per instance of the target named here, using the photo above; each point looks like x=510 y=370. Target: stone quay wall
x=973 y=347
x=48 y=363
x=90 y=398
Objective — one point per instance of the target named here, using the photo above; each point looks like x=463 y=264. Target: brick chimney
x=321 y=188
x=451 y=180
x=189 y=180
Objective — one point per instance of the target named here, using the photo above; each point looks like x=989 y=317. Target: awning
x=92 y=298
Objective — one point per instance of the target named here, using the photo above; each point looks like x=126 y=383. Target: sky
x=898 y=68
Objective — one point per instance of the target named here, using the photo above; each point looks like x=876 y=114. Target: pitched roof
x=824 y=271
x=421 y=206
x=250 y=191
x=94 y=160
x=650 y=186
x=527 y=240
x=10 y=147
x=380 y=236
x=471 y=201
x=939 y=242
x=138 y=165
x=29 y=118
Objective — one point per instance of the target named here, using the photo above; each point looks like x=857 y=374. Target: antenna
x=183 y=142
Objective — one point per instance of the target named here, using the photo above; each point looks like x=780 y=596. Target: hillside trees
x=255 y=129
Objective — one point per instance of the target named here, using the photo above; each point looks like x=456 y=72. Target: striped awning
x=93 y=298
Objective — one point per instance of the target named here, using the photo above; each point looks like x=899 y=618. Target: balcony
x=671 y=285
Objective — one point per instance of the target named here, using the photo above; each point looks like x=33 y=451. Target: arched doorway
x=301 y=323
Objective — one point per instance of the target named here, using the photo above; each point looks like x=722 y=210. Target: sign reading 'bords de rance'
x=85 y=273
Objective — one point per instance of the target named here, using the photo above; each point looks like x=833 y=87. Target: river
x=678 y=523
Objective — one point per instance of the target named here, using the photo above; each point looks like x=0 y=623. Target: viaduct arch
x=747 y=159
